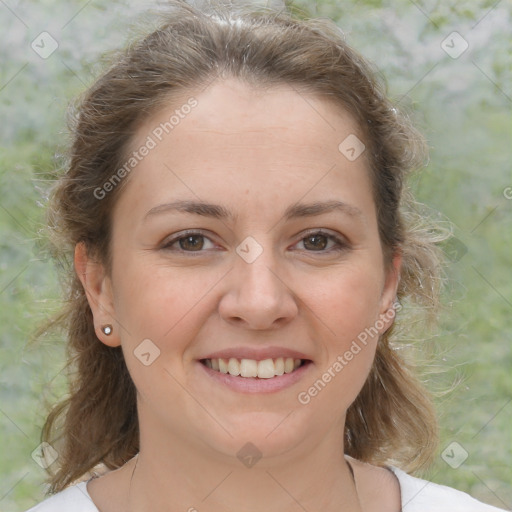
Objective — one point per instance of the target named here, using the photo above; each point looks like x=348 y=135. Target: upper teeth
x=265 y=369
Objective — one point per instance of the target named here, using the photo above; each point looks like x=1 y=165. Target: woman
x=242 y=241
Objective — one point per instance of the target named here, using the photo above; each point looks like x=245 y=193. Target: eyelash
x=342 y=244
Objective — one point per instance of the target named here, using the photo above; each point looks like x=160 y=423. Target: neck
x=184 y=476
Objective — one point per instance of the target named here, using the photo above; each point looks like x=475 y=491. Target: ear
x=389 y=291
x=98 y=289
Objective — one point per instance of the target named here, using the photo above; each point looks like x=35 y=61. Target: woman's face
x=246 y=233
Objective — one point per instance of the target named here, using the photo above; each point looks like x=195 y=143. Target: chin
x=261 y=434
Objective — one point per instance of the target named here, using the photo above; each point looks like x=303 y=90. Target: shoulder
x=73 y=499
x=423 y=496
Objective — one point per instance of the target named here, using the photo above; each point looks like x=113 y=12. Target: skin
x=256 y=152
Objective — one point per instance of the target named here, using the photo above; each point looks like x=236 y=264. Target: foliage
x=461 y=104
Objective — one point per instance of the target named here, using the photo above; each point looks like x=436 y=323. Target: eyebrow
x=317 y=208
x=195 y=207
x=297 y=210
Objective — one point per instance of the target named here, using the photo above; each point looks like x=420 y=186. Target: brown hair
x=392 y=420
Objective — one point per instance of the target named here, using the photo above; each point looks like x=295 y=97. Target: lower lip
x=254 y=384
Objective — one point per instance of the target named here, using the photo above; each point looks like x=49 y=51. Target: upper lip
x=257 y=354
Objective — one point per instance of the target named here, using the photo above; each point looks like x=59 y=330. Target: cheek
x=159 y=302
x=161 y=310
x=348 y=306
x=347 y=301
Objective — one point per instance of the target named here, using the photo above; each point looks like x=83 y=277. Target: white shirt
x=417 y=496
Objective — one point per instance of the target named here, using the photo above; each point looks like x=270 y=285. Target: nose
x=257 y=296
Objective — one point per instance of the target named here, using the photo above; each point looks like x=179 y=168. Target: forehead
x=237 y=110
x=246 y=143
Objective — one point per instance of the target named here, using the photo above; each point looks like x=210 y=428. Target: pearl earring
x=107 y=330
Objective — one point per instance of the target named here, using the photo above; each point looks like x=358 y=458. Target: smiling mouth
x=250 y=368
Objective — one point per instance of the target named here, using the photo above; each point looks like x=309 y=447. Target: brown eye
x=316 y=242
x=191 y=242
x=323 y=243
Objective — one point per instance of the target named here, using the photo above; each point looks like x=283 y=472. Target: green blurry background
x=462 y=105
